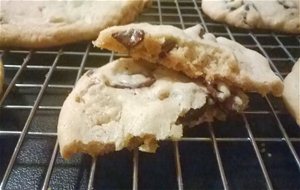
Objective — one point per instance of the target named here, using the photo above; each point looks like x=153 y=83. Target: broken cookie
x=129 y=104
x=195 y=53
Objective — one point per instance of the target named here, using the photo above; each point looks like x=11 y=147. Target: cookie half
x=37 y=24
x=291 y=93
x=195 y=53
x=129 y=104
x=279 y=15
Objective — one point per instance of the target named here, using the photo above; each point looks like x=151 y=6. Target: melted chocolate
x=147 y=83
x=225 y=107
x=167 y=46
x=129 y=38
x=191 y=115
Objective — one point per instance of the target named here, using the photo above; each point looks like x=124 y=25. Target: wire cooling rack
x=258 y=149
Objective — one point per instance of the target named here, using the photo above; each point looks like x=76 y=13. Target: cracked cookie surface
x=129 y=104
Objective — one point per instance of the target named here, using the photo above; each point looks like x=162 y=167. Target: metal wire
x=135 y=169
x=178 y=166
x=13 y=81
x=53 y=157
x=219 y=160
x=284 y=48
x=29 y=119
x=92 y=174
x=261 y=163
x=200 y=139
x=176 y=10
x=286 y=137
x=215 y=146
x=50 y=167
x=260 y=160
x=279 y=124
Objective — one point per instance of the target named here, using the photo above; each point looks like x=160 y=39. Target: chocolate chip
x=129 y=38
x=245 y=18
x=201 y=33
x=3 y=20
x=232 y=8
x=247 y=8
x=228 y=104
x=212 y=90
x=166 y=47
x=191 y=115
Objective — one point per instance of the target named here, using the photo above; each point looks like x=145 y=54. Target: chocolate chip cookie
x=279 y=15
x=129 y=104
x=195 y=53
x=36 y=24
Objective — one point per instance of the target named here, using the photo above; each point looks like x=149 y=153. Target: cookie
x=291 y=93
x=129 y=104
x=195 y=53
x=36 y=24
x=279 y=15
